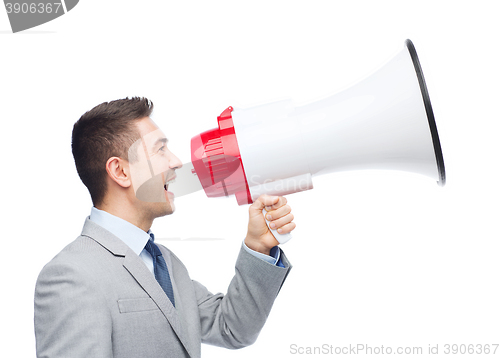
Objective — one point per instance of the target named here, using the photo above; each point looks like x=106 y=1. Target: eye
x=162 y=148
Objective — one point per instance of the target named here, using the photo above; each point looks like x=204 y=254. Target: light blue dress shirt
x=136 y=238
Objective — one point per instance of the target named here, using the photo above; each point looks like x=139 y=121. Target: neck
x=127 y=213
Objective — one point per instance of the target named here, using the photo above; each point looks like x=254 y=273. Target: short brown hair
x=105 y=131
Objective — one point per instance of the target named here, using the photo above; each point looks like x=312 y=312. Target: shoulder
x=83 y=258
x=82 y=246
x=72 y=257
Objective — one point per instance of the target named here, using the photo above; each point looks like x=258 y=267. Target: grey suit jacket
x=97 y=298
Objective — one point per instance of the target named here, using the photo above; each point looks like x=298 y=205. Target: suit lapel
x=136 y=267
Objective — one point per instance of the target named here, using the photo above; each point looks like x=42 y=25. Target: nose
x=175 y=163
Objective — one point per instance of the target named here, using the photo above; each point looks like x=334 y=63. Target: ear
x=118 y=171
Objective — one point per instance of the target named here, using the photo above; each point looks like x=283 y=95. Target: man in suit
x=113 y=292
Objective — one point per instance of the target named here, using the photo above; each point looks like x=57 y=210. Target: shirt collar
x=130 y=234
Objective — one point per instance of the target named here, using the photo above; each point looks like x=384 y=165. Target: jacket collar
x=105 y=238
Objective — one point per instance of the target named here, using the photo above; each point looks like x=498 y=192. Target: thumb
x=262 y=202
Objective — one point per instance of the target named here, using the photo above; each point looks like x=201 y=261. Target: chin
x=164 y=209
x=156 y=206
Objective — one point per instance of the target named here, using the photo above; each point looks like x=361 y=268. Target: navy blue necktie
x=160 y=268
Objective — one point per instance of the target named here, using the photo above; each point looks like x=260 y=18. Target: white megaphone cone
x=383 y=122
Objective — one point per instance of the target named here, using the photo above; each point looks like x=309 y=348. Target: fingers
x=285 y=229
x=279 y=216
x=278 y=213
x=284 y=224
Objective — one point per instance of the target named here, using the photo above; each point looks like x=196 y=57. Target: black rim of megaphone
x=430 y=114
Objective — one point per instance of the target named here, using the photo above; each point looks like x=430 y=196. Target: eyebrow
x=161 y=140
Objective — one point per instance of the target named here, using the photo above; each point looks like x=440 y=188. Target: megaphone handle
x=282 y=238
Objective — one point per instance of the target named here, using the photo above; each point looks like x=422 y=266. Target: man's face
x=152 y=166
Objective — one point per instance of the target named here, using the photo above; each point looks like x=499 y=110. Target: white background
x=380 y=258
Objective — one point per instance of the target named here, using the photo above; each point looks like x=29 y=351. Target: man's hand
x=259 y=238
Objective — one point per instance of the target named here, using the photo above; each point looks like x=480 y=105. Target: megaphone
x=385 y=121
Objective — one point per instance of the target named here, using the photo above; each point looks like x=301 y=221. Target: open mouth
x=168 y=182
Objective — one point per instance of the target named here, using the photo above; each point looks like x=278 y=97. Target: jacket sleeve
x=235 y=320
x=71 y=317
